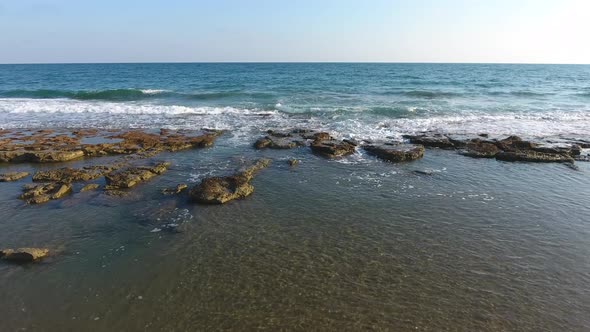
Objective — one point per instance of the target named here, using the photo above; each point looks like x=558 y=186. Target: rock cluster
x=319 y=142
x=220 y=190
x=46 y=146
x=512 y=148
x=37 y=194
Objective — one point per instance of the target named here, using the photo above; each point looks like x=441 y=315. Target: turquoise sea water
x=330 y=245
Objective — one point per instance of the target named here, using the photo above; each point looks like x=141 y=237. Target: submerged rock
x=293 y=162
x=89 y=187
x=220 y=190
x=175 y=190
x=395 y=152
x=37 y=194
x=24 y=255
x=13 y=176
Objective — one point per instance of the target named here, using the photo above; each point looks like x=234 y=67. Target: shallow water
x=328 y=245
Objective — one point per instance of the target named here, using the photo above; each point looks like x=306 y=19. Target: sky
x=481 y=31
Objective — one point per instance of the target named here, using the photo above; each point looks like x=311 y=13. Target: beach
x=354 y=197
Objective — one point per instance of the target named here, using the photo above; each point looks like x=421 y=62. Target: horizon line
x=291 y=62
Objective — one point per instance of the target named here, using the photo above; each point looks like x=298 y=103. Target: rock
x=289 y=139
x=67 y=174
x=515 y=143
x=293 y=162
x=131 y=176
x=24 y=255
x=53 y=156
x=480 y=149
x=13 y=176
x=45 y=192
x=175 y=190
x=533 y=156
x=435 y=141
x=395 y=152
x=220 y=190
x=332 y=148
x=90 y=186
x=423 y=172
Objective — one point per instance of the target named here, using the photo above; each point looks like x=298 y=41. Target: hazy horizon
x=379 y=31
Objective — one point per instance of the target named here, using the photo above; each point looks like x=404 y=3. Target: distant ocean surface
x=352 y=100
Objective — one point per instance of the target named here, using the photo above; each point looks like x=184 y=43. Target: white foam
x=153 y=91
x=245 y=122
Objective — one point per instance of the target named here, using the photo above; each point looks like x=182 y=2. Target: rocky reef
x=52 y=146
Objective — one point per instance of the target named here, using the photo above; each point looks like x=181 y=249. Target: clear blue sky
x=523 y=31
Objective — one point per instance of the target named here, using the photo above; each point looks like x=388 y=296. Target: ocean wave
x=128 y=94
x=111 y=94
x=425 y=94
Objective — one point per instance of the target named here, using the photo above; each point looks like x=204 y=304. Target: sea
x=444 y=243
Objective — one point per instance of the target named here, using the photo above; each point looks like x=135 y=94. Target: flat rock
x=289 y=139
x=332 y=148
x=480 y=149
x=24 y=255
x=434 y=141
x=395 y=152
x=533 y=156
x=131 y=176
x=13 y=176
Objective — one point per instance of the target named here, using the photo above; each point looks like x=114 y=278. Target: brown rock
x=131 y=176
x=293 y=162
x=13 y=176
x=67 y=174
x=395 y=152
x=480 y=149
x=24 y=255
x=42 y=193
x=515 y=143
x=332 y=148
x=435 y=141
x=220 y=190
